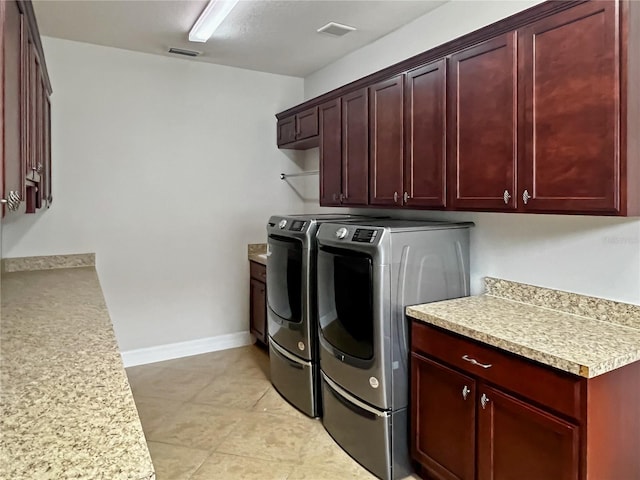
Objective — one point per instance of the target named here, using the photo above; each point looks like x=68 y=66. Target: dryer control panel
x=364 y=235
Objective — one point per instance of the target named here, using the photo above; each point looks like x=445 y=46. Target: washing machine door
x=284 y=277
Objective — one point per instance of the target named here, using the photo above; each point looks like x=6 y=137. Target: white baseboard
x=142 y=356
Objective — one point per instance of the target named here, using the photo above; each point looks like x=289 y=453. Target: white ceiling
x=267 y=35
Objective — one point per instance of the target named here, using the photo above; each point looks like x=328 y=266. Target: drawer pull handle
x=465 y=392
x=467 y=358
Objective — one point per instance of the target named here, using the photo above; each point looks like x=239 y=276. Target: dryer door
x=345 y=304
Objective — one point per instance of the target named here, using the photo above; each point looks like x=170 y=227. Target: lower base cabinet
x=258 y=301
x=505 y=417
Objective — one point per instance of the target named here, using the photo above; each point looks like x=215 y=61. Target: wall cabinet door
x=307 y=124
x=286 y=130
x=425 y=113
x=386 y=140
x=14 y=161
x=517 y=440
x=443 y=416
x=482 y=126
x=45 y=177
x=355 y=148
x=569 y=91
x=330 y=120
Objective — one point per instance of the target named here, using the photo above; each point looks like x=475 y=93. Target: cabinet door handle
x=467 y=358
x=395 y=197
x=484 y=400
x=506 y=196
x=342 y=197
x=526 y=197
x=465 y=392
x=405 y=197
x=13 y=201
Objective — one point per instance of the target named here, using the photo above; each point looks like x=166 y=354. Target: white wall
x=596 y=256
x=166 y=169
x=449 y=21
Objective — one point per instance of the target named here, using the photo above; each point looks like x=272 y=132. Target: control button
x=341 y=233
x=282 y=224
x=373 y=381
x=301 y=346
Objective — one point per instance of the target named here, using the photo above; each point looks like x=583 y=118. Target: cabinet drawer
x=258 y=271
x=549 y=387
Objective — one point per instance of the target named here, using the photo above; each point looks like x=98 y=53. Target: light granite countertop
x=257 y=252
x=582 y=335
x=66 y=408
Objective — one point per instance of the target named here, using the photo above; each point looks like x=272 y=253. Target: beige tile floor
x=216 y=416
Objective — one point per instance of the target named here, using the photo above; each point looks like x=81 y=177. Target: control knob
x=282 y=224
x=341 y=233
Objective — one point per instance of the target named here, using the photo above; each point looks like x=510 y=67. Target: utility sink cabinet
x=478 y=412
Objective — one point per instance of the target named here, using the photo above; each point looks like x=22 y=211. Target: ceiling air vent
x=182 y=51
x=336 y=29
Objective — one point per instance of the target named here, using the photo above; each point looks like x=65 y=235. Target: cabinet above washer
x=569 y=84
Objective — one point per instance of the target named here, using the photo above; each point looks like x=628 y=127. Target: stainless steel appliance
x=292 y=307
x=367 y=274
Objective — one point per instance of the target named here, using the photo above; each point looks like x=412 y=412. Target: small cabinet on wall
x=299 y=131
x=258 y=301
x=26 y=89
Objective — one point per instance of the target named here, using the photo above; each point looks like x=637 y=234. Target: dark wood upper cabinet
x=45 y=182
x=330 y=123
x=518 y=440
x=386 y=141
x=286 y=131
x=569 y=67
x=443 y=419
x=425 y=134
x=299 y=131
x=355 y=148
x=307 y=124
x=483 y=125
x=536 y=113
x=13 y=154
x=26 y=153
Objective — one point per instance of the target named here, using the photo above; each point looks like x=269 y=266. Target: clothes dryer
x=368 y=272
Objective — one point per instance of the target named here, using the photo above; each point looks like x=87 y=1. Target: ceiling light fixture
x=210 y=19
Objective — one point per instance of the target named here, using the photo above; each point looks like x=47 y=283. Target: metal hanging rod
x=301 y=174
